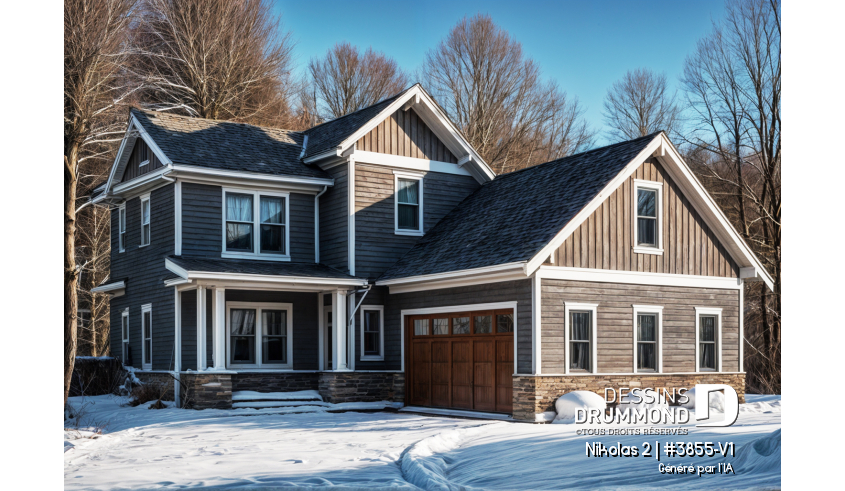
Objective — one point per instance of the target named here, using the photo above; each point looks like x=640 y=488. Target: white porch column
x=177 y=348
x=201 y=323
x=219 y=346
x=339 y=359
x=351 y=331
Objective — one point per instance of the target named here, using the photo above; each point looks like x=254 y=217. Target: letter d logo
x=702 y=404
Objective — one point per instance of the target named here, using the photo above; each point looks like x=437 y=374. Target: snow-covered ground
x=141 y=448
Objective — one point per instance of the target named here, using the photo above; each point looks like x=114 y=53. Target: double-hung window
x=121 y=227
x=409 y=203
x=145 y=220
x=372 y=332
x=260 y=334
x=255 y=225
x=147 y=334
x=580 y=333
x=648 y=338
x=124 y=335
x=708 y=339
x=648 y=227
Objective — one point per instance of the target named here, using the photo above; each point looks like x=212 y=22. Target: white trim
x=143 y=163
x=409 y=163
x=177 y=194
x=615 y=374
x=218 y=326
x=110 y=287
x=699 y=311
x=147 y=307
x=204 y=175
x=658 y=188
x=408 y=176
x=177 y=333
x=741 y=330
x=124 y=340
x=122 y=157
x=457 y=308
x=269 y=279
x=146 y=198
x=259 y=333
x=144 y=182
x=451 y=274
x=380 y=309
x=650 y=309
x=638 y=278
x=350 y=208
x=256 y=225
x=202 y=328
x=593 y=308
x=121 y=227
x=536 y=323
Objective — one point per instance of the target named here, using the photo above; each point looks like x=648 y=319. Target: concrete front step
x=299 y=395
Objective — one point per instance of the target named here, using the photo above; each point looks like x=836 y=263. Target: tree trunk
x=71 y=274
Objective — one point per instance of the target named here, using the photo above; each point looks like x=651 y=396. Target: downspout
x=317 y=222
x=350 y=325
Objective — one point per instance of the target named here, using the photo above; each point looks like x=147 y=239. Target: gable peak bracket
x=411 y=102
x=464 y=160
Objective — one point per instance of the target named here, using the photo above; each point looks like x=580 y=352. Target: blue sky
x=584 y=45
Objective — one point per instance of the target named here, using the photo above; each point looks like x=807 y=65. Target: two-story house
x=378 y=257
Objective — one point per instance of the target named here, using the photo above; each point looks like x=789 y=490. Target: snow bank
x=759 y=456
x=567 y=405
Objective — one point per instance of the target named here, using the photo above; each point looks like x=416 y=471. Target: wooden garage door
x=461 y=360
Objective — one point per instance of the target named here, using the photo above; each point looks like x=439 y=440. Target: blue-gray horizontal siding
x=334 y=222
x=143 y=270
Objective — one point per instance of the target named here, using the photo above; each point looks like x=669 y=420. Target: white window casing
x=259 y=307
x=124 y=336
x=408 y=176
x=146 y=229
x=143 y=163
x=380 y=310
x=717 y=313
x=658 y=311
x=256 y=223
x=147 y=336
x=578 y=307
x=651 y=186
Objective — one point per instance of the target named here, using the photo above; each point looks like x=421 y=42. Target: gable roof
x=225 y=145
x=513 y=217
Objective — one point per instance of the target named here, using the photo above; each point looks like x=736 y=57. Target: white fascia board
x=409 y=163
x=187 y=171
x=109 y=288
x=638 y=278
x=710 y=211
x=259 y=278
x=588 y=210
x=467 y=277
x=450 y=274
x=140 y=182
x=321 y=156
x=177 y=282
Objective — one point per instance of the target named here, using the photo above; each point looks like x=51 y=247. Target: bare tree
x=733 y=89
x=496 y=96
x=640 y=104
x=226 y=59
x=94 y=249
x=95 y=51
x=347 y=80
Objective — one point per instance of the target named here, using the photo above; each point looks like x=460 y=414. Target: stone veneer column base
x=534 y=394
x=206 y=390
x=163 y=379
x=337 y=387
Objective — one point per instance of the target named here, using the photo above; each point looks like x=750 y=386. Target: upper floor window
x=121 y=227
x=648 y=229
x=145 y=220
x=409 y=203
x=255 y=225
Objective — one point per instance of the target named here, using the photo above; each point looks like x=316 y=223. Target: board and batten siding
x=404 y=133
x=377 y=246
x=506 y=291
x=143 y=270
x=140 y=152
x=202 y=222
x=605 y=240
x=615 y=323
x=334 y=221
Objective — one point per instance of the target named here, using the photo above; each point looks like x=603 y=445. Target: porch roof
x=191 y=268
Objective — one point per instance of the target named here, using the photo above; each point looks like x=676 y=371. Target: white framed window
x=121 y=227
x=648 y=338
x=408 y=203
x=259 y=334
x=580 y=336
x=145 y=220
x=372 y=332
x=147 y=336
x=648 y=217
x=255 y=224
x=124 y=336
x=708 y=339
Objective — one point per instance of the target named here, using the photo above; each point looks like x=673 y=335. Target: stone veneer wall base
x=534 y=394
x=206 y=390
x=337 y=387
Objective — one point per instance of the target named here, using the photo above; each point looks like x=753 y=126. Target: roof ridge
x=652 y=135
x=194 y=118
x=399 y=94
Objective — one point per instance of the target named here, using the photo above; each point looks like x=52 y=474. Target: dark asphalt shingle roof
x=246 y=266
x=329 y=135
x=511 y=218
x=226 y=145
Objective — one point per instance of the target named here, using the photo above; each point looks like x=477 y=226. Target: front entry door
x=461 y=360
